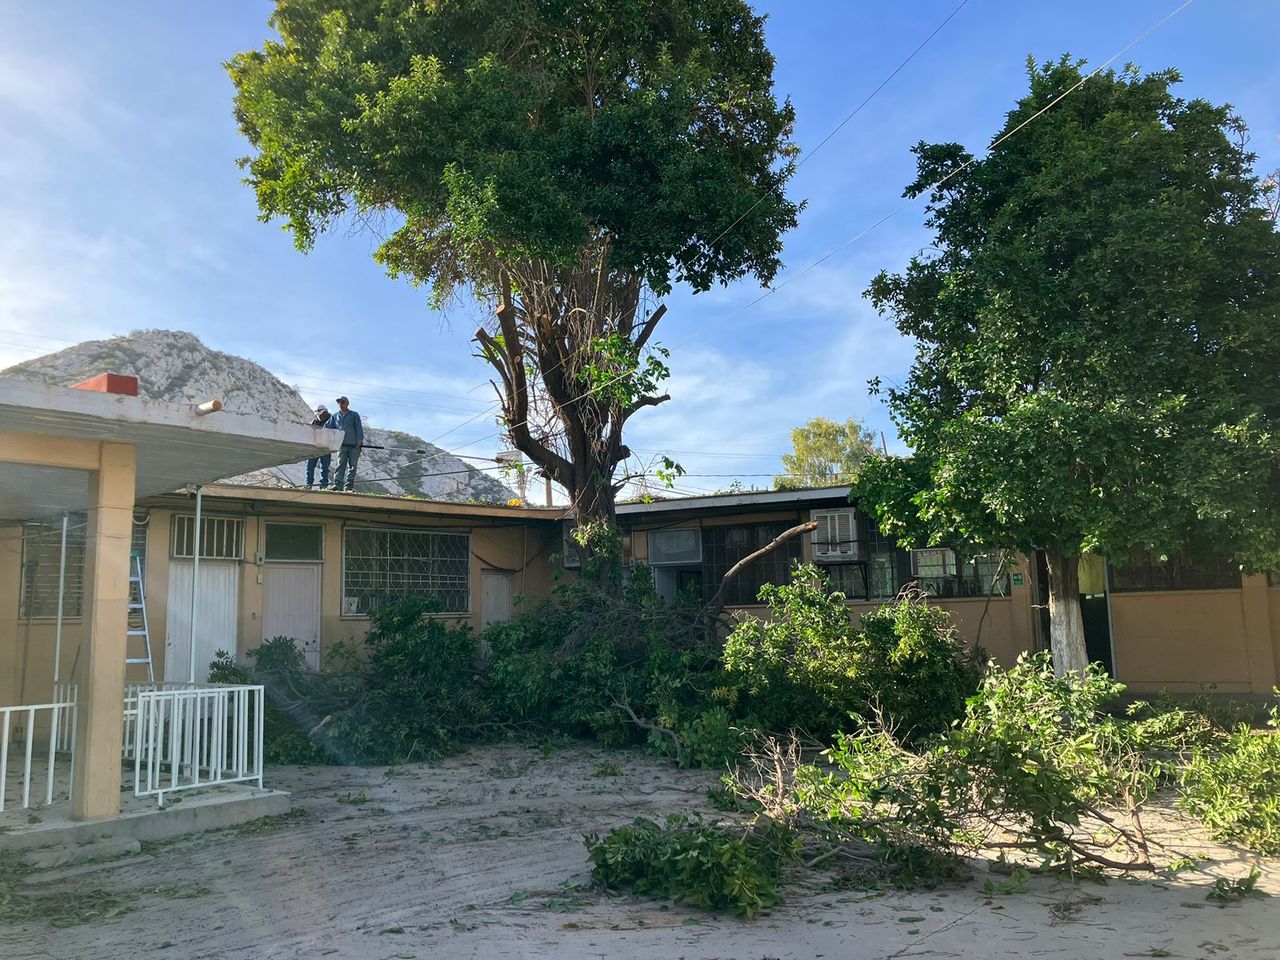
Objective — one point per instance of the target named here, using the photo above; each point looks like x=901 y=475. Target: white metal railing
x=196 y=737
x=131 y=691
x=64 y=691
x=39 y=754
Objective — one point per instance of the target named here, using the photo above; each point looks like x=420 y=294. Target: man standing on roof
x=348 y=421
x=325 y=461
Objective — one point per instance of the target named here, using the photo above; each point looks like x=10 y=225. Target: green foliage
x=1096 y=362
x=1034 y=756
x=1235 y=790
x=415 y=693
x=1233 y=891
x=825 y=453
x=496 y=131
x=574 y=663
x=422 y=690
x=807 y=666
x=708 y=864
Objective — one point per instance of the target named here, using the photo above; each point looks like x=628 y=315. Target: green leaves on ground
x=713 y=866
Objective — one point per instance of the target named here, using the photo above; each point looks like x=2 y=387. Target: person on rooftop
x=326 y=460
x=348 y=421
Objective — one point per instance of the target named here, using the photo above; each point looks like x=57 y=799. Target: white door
x=495 y=603
x=291 y=606
x=217 y=608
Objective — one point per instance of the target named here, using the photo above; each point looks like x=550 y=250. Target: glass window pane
x=294 y=541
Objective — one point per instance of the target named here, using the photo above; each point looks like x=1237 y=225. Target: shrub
x=588 y=662
x=1029 y=769
x=808 y=667
x=1235 y=791
x=415 y=696
x=296 y=700
x=423 y=694
x=708 y=864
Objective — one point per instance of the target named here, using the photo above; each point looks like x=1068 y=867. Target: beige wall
x=1211 y=640
x=520 y=549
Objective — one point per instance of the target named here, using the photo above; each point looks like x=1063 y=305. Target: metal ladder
x=138 y=619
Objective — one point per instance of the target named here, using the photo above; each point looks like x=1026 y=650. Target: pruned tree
x=1098 y=338
x=825 y=453
x=565 y=163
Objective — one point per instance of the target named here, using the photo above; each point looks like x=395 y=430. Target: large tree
x=1098 y=338
x=563 y=162
x=825 y=453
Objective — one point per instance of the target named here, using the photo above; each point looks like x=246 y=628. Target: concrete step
x=106 y=848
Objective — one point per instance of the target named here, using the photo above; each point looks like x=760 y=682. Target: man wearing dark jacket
x=326 y=461
x=348 y=421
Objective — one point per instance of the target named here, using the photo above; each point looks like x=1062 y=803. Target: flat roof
x=175 y=445
x=726 y=501
x=332 y=501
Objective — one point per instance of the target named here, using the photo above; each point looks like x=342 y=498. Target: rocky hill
x=175 y=366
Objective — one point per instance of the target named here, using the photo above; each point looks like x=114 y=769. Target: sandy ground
x=482 y=857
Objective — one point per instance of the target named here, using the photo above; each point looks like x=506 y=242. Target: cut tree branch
x=716 y=604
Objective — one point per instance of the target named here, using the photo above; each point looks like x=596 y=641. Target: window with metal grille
x=888 y=565
x=379 y=563
x=221 y=538
x=1146 y=571
x=722 y=547
x=941 y=572
x=41 y=561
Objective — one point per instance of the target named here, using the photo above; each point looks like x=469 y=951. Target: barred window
x=972 y=576
x=221 y=538
x=379 y=563
x=722 y=547
x=888 y=565
x=1146 y=571
x=41 y=555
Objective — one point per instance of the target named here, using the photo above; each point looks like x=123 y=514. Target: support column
x=96 y=790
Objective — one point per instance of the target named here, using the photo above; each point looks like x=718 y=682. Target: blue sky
x=122 y=208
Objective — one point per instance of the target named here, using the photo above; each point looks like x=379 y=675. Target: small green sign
x=1017 y=579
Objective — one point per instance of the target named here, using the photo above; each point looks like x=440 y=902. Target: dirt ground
x=482 y=857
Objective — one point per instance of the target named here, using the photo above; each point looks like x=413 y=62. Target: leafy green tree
x=562 y=161
x=1098 y=352
x=825 y=453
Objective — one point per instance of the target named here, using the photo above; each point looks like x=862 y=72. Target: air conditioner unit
x=933 y=562
x=570 y=555
x=679 y=547
x=836 y=539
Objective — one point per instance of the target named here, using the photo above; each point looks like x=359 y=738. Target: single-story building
x=313 y=565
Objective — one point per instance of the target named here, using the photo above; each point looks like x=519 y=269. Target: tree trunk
x=1066 y=625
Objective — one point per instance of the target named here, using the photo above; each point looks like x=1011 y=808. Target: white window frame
x=465 y=534
x=219 y=527
x=845 y=551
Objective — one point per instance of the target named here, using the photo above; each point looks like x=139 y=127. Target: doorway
x=291 y=606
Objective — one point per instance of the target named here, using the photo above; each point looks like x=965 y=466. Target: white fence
x=42 y=761
x=195 y=737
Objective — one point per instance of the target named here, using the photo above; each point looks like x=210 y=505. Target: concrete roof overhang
x=175 y=445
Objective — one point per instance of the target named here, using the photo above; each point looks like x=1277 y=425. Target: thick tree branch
x=647 y=330
x=716 y=603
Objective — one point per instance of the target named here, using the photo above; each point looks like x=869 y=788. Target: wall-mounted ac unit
x=933 y=562
x=836 y=539
x=570 y=555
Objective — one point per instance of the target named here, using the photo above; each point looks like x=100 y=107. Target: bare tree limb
x=716 y=603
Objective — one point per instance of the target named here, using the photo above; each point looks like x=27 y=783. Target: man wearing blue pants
x=348 y=421
x=326 y=461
